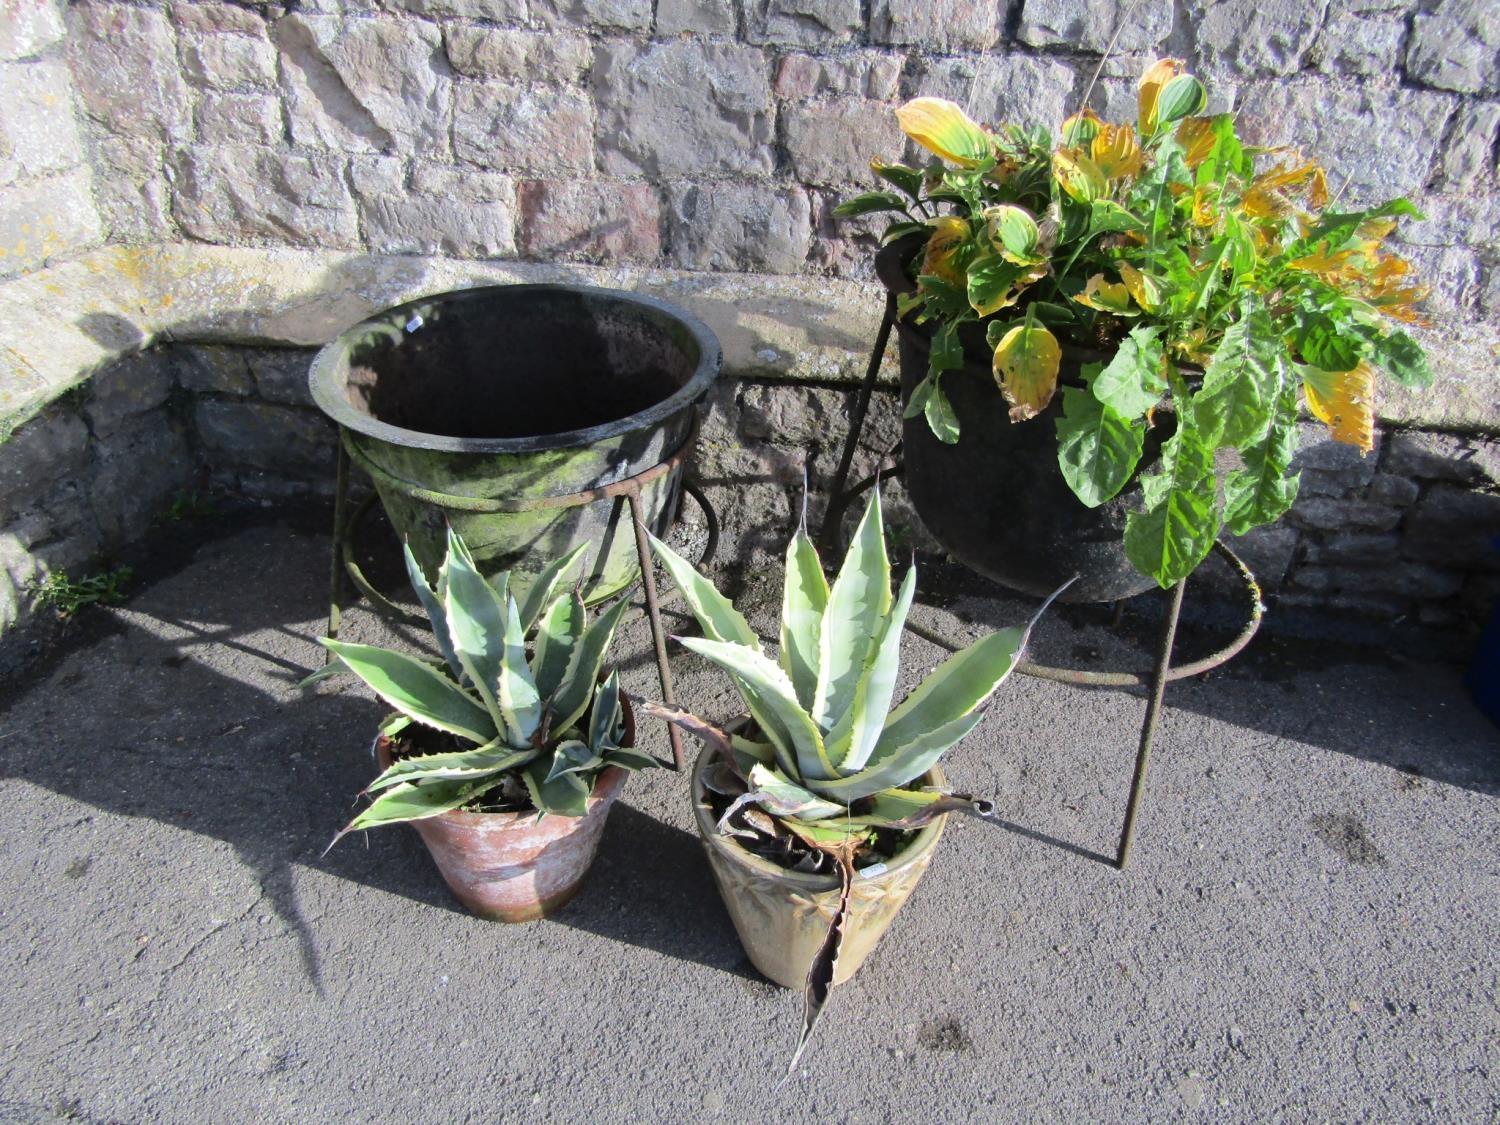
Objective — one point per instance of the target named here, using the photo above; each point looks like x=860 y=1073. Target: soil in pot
x=782 y=915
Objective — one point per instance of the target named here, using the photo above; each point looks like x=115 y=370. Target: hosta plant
x=1216 y=282
x=828 y=769
x=533 y=728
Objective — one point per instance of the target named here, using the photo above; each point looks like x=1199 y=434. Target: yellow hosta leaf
x=1106 y=296
x=1344 y=401
x=1144 y=289
x=1157 y=75
x=1196 y=136
x=1376 y=229
x=1261 y=202
x=1079 y=176
x=1116 y=152
x=944 y=129
x=949 y=233
x=1322 y=263
x=1026 y=364
x=1399 y=303
x=1206 y=205
x=1081 y=128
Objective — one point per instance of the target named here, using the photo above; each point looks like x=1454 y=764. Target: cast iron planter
x=492 y=409
x=997 y=500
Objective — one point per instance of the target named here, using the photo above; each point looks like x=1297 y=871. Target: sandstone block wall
x=628 y=140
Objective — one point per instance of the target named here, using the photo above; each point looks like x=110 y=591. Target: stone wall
x=689 y=147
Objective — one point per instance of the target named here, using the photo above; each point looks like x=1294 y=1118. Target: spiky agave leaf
x=804 y=600
x=576 y=691
x=410 y=801
x=417 y=689
x=515 y=691
x=854 y=736
x=857 y=604
x=436 y=614
x=561 y=625
x=718 y=619
x=488 y=760
x=544 y=587
x=476 y=617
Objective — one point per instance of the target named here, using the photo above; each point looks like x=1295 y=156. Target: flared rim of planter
x=327 y=383
x=926 y=839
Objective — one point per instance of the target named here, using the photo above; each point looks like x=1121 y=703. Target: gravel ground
x=1307 y=930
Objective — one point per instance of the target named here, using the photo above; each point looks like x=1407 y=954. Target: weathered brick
x=50 y=448
x=260 y=435
x=131 y=189
x=1013 y=88
x=1456 y=527
x=1456 y=46
x=28 y=27
x=739 y=227
x=938 y=25
x=659 y=116
x=1359 y=43
x=1431 y=456
x=38 y=135
x=524 y=130
x=1469 y=159
x=414 y=222
x=241 y=118
x=224 y=62
x=213 y=369
x=610 y=15
x=517 y=55
x=695 y=17
x=211 y=16
x=1321 y=513
x=249 y=193
x=1254 y=37
x=137 y=470
x=44 y=218
x=1092 y=25
x=591 y=221
x=860 y=73
x=832 y=141
x=128 y=387
x=802 y=23
x=109 y=80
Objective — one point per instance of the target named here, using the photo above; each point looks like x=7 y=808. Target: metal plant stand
x=1162 y=671
x=627 y=492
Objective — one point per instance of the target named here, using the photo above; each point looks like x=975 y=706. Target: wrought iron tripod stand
x=1162 y=671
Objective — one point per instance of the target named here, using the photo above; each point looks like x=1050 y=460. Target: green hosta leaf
x=1184 y=96
x=902 y=764
x=516 y=692
x=898 y=230
x=944 y=298
x=958 y=685
x=566 y=795
x=1321 y=344
x=1097 y=449
x=577 y=688
x=1049 y=314
x=476 y=624
x=605 y=716
x=544 y=587
x=1401 y=358
x=854 y=736
x=417 y=689
x=1108 y=217
x=803 y=600
x=1132 y=381
x=869 y=202
x=859 y=600
x=561 y=626
x=1177 y=529
x=435 y=612
x=773 y=702
x=908 y=179
x=940 y=416
x=1337 y=227
x=991 y=287
x=1242 y=379
x=917 y=404
x=572 y=756
x=1262 y=491
x=483 y=761
x=719 y=620
x=946 y=352
x=415 y=802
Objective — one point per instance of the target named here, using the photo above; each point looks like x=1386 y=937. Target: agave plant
x=546 y=722
x=831 y=762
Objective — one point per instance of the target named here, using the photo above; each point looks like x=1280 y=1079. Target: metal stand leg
x=336 y=578
x=837 y=501
x=653 y=614
x=1148 y=726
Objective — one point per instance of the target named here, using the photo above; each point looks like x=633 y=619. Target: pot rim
x=927 y=838
x=327 y=387
x=607 y=784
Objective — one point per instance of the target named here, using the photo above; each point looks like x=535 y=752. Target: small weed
x=67 y=597
x=192 y=505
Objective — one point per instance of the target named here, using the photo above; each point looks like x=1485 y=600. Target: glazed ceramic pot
x=782 y=916
x=512 y=867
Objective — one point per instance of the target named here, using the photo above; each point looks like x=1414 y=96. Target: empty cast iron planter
x=782 y=916
x=493 y=408
x=997 y=500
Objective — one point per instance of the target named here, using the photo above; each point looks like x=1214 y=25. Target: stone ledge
x=60 y=324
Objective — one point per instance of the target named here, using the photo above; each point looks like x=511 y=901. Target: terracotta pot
x=782 y=916
x=510 y=867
